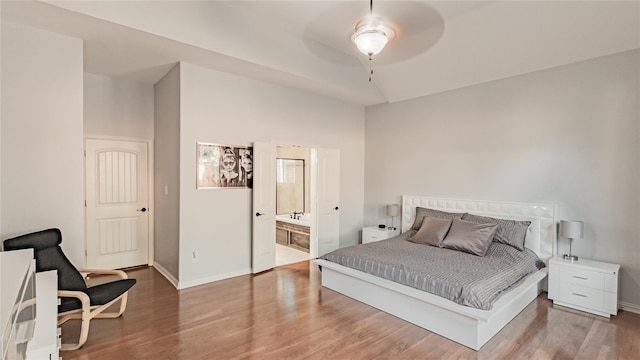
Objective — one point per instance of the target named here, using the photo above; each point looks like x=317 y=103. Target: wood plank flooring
x=286 y=314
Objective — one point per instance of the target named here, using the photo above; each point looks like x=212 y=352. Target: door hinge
x=85 y=203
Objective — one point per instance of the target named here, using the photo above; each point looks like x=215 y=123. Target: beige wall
x=568 y=135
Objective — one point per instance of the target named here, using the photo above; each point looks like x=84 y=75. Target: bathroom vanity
x=293 y=235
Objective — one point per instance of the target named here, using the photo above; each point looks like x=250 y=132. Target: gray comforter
x=466 y=279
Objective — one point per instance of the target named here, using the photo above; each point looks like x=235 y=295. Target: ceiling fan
x=404 y=28
x=410 y=27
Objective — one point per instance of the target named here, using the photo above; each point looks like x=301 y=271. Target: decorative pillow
x=432 y=231
x=421 y=213
x=510 y=232
x=469 y=237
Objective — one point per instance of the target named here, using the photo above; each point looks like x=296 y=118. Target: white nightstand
x=374 y=233
x=586 y=285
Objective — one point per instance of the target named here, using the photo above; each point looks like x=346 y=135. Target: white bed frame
x=468 y=326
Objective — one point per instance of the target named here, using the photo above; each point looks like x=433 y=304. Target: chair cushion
x=68 y=276
x=99 y=294
x=49 y=256
x=37 y=240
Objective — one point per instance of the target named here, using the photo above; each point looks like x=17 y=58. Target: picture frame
x=223 y=166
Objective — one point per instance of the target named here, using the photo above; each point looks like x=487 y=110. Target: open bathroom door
x=263 y=254
x=326 y=187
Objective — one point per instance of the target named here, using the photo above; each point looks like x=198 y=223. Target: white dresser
x=586 y=285
x=37 y=324
x=374 y=233
x=45 y=344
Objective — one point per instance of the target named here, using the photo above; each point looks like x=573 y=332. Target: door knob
x=336 y=208
x=143 y=209
x=258 y=214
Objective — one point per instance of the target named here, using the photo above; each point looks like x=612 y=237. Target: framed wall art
x=224 y=166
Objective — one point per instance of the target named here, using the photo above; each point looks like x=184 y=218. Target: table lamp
x=571 y=229
x=393 y=210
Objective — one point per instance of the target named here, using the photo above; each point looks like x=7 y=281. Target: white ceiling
x=439 y=46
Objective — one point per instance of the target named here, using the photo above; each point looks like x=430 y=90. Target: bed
x=466 y=325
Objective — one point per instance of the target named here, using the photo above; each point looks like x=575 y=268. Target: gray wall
x=567 y=135
x=222 y=108
x=117 y=107
x=167 y=174
x=42 y=164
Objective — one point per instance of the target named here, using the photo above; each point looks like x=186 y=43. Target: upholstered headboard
x=541 y=235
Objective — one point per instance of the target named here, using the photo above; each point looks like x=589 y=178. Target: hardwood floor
x=286 y=314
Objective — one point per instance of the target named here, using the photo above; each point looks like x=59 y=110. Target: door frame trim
x=150 y=188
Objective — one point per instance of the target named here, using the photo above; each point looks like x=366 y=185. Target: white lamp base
x=570 y=257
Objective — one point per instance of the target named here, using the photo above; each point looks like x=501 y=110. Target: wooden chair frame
x=88 y=312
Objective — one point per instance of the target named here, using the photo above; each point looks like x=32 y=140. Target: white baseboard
x=166 y=274
x=187 y=284
x=634 y=308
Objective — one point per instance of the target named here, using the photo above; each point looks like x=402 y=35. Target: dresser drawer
x=581 y=277
x=581 y=296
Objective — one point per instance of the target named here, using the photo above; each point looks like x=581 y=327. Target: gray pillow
x=469 y=237
x=422 y=212
x=432 y=231
x=510 y=232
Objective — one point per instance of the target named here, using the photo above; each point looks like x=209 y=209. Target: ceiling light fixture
x=371 y=36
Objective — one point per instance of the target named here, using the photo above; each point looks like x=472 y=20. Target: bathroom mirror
x=290 y=186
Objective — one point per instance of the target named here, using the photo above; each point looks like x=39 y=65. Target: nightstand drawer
x=581 y=277
x=369 y=236
x=581 y=296
x=373 y=233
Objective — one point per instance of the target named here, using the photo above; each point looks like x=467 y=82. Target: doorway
x=293 y=197
x=117 y=203
x=324 y=201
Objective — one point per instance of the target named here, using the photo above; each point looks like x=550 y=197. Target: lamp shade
x=393 y=210
x=571 y=229
x=371 y=36
x=370 y=42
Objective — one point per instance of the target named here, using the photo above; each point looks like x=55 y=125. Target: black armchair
x=77 y=300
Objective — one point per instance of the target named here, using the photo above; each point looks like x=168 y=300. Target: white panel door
x=264 y=207
x=117 y=212
x=328 y=200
